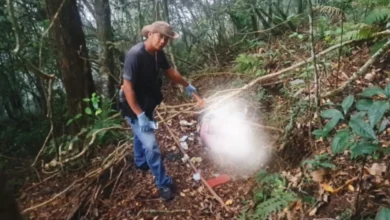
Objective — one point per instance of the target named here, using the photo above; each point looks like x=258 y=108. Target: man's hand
x=190 y=89
x=144 y=123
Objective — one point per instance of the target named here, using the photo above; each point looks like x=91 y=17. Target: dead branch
x=49 y=115
x=154 y=211
x=279 y=73
x=119 y=176
x=162 y=120
x=192 y=165
x=36 y=70
x=293 y=67
x=54 y=197
x=47 y=31
x=94 y=135
x=215 y=74
x=175 y=106
x=15 y=25
x=264 y=127
x=91 y=176
x=361 y=71
x=269 y=29
x=46 y=179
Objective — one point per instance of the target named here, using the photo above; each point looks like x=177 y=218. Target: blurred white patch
x=232 y=140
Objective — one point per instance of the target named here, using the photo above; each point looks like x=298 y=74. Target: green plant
x=272 y=195
x=99 y=115
x=250 y=64
x=295 y=34
x=378 y=14
x=366 y=119
x=346 y=215
x=319 y=161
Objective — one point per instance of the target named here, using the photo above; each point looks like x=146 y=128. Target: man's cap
x=161 y=27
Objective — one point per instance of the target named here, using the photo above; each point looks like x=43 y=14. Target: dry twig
x=154 y=211
x=192 y=165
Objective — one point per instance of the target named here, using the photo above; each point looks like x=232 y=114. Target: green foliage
x=346 y=215
x=272 y=195
x=378 y=14
x=296 y=35
x=249 y=64
x=273 y=205
x=366 y=120
x=319 y=161
x=98 y=114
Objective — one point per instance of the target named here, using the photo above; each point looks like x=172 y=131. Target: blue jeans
x=146 y=150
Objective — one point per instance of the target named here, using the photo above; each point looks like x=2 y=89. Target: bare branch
x=15 y=25
x=361 y=71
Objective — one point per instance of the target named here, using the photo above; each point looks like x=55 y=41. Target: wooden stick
x=281 y=72
x=361 y=71
x=264 y=127
x=154 y=211
x=192 y=165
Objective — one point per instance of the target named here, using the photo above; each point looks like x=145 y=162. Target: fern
x=249 y=63
x=272 y=195
x=360 y=31
x=333 y=12
x=378 y=14
x=273 y=205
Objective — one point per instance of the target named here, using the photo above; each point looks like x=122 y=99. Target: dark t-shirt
x=142 y=69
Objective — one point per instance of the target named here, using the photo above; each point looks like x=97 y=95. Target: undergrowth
x=271 y=196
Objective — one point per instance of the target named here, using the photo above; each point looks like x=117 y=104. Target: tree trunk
x=140 y=18
x=300 y=6
x=262 y=19
x=166 y=11
x=69 y=42
x=254 y=23
x=285 y=17
x=106 y=54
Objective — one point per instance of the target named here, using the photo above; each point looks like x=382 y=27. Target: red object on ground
x=219 y=180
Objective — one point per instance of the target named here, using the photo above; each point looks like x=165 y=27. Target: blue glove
x=190 y=89
x=144 y=122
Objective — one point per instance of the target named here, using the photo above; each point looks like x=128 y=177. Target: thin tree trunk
x=300 y=6
x=69 y=42
x=140 y=19
x=314 y=58
x=106 y=56
x=284 y=16
x=166 y=11
x=265 y=23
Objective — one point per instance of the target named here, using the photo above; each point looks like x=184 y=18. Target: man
x=140 y=94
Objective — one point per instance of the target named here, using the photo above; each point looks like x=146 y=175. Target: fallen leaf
x=377 y=169
x=318 y=175
x=229 y=202
x=196 y=159
x=350 y=187
x=182 y=194
x=327 y=188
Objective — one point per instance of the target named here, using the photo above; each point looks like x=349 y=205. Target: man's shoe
x=144 y=167
x=166 y=193
x=173 y=187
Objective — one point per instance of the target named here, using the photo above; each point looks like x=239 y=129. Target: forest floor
x=131 y=194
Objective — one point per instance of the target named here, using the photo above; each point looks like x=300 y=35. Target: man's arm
x=176 y=77
x=128 y=90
